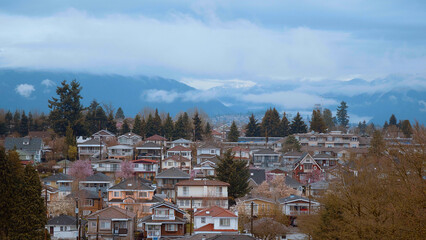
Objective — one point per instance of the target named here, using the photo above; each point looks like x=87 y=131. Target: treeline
x=20 y=123
x=22 y=211
x=274 y=126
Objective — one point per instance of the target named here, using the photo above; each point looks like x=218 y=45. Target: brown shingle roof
x=156 y=137
x=179 y=148
x=111 y=212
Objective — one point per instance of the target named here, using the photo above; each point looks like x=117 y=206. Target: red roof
x=145 y=161
x=179 y=148
x=156 y=138
x=215 y=211
x=276 y=170
x=178 y=158
x=214 y=132
x=210 y=228
x=238 y=149
x=201 y=183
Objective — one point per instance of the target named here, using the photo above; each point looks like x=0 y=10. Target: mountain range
x=374 y=101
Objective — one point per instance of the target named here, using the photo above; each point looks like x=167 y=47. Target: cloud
x=422 y=106
x=205 y=84
x=48 y=83
x=289 y=99
x=154 y=95
x=25 y=90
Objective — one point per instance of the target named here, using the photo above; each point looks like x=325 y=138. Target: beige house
x=111 y=223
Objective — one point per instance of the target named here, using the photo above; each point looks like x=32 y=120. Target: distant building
x=114 y=223
x=63 y=227
x=129 y=138
x=202 y=193
x=167 y=179
x=215 y=220
x=30 y=149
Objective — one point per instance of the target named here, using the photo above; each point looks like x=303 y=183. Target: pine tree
x=69 y=137
x=143 y=128
x=179 y=131
x=317 y=122
x=253 y=127
x=377 y=144
x=284 y=126
x=157 y=124
x=119 y=114
x=406 y=128
x=298 y=125
x=208 y=131
x=233 y=134
x=342 y=114
x=3 y=128
x=30 y=122
x=386 y=125
x=67 y=108
x=187 y=124
x=16 y=121
x=168 y=127
x=125 y=128
x=137 y=126
x=271 y=123
x=150 y=129
x=23 y=126
x=8 y=119
x=111 y=124
x=96 y=118
x=328 y=119
x=198 y=129
x=236 y=173
x=291 y=144
x=392 y=120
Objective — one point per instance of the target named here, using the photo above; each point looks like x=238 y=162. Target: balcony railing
x=299 y=212
x=120 y=231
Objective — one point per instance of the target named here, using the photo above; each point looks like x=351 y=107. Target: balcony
x=120 y=231
x=296 y=213
x=163 y=217
x=83 y=151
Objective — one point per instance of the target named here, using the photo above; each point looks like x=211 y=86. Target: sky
x=227 y=44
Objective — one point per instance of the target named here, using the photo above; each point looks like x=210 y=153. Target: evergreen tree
x=233 y=134
x=111 y=124
x=187 y=125
x=298 y=125
x=253 y=127
x=69 y=137
x=119 y=114
x=342 y=114
x=208 y=131
x=67 y=108
x=137 y=126
x=236 y=173
x=328 y=119
x=150 y=128
x=16 y=121
x=291 y=144
x=377 y=144
x=96 y=118
x=386 y=125
x=317 y=122
x=157 y=124
x=125 y=128
x=3 y=128
x=198 y=129
x=271 y=123
x=392 y=120
x=180 y=130
x=30 y=122
x=8 y=119
x=406 y=128
x=168 y=127
x=284 y=126
x=23 y=126
x=143 y=128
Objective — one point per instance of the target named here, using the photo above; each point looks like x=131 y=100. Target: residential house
x=129 y=138
x=150 y=150
x=167 y=220
x=134 y=194
x=289 y=160
x=63 y=227
x=157 y=139
x=206 y=168
x=296 y=205
x=51 y=196
x=60 y=181
x=108 y=167
x=317 y=188
x=88 y=201
x=177 y=161
x=262 y=206
x=114 y=223
x=329 y=140
x=203 y=193
x=325 y=160
x=215 y=219
x=307 y=170
x=241 y=153
x=30 y=149
x=104 y=135
x=167 y=179
x=179 y=151
x=97 y=182
x=145 y=168
x=64 y=164
x=181 y=142
x=257 y=176
x=208 y=150
x=266 y=158
x=91 y=149
x=120 y=152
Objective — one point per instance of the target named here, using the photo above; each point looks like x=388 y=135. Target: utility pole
x=191 y=214
x=76 y=214
x=251 y=219
x=97 y=227
x=100 y=148
x=309 y=192
x=47 y=212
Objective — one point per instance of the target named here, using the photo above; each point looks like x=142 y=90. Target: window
x=212 y=151
x=62 y=228
x=136 y=165
x=160 y=212
x=143 y=194
x=169 y=163
x=171 y=227
x=203 y=220
x=308 y=165
x=88 y=202
x=105 y=225
x=185 y=191
x=116 y=194
x=225 y=222
x=93 y=224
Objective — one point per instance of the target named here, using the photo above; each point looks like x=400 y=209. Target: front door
x=51 y=231
x=116 y=228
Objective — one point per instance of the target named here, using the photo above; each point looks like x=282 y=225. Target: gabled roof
x=120 y=146
x=130 y=135
x=252 y=198
x=149 y=145
x=104 y=132
x=178 y=158
x=294 y=198
x=291 y=182
x=62 y=220
x=181 y=140
x=84 y=194
x=111 y=212
x=179 y=148
x=265 y=151
x=215 y=211
x=323 y=155
x=133 y=183
x=57 y=177
x=173 y=173
x=91 y=142
x=202 y=183
x=168 y=204
x=258 y=175
x=240 y=149
x=319 y=185
x=33 y=144
x=98 y=177
x=156 y=137
x=49 y=188
x=292 y=154
x=145 y=161
x=303 y=159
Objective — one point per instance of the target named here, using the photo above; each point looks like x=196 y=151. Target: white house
x=63 y=227
x=296 y=205
x=180 y=151
x=215 y=220
x=181 y=142
x=206 y=151
x=202 y=193
x=120 y=151
x=129 y=138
